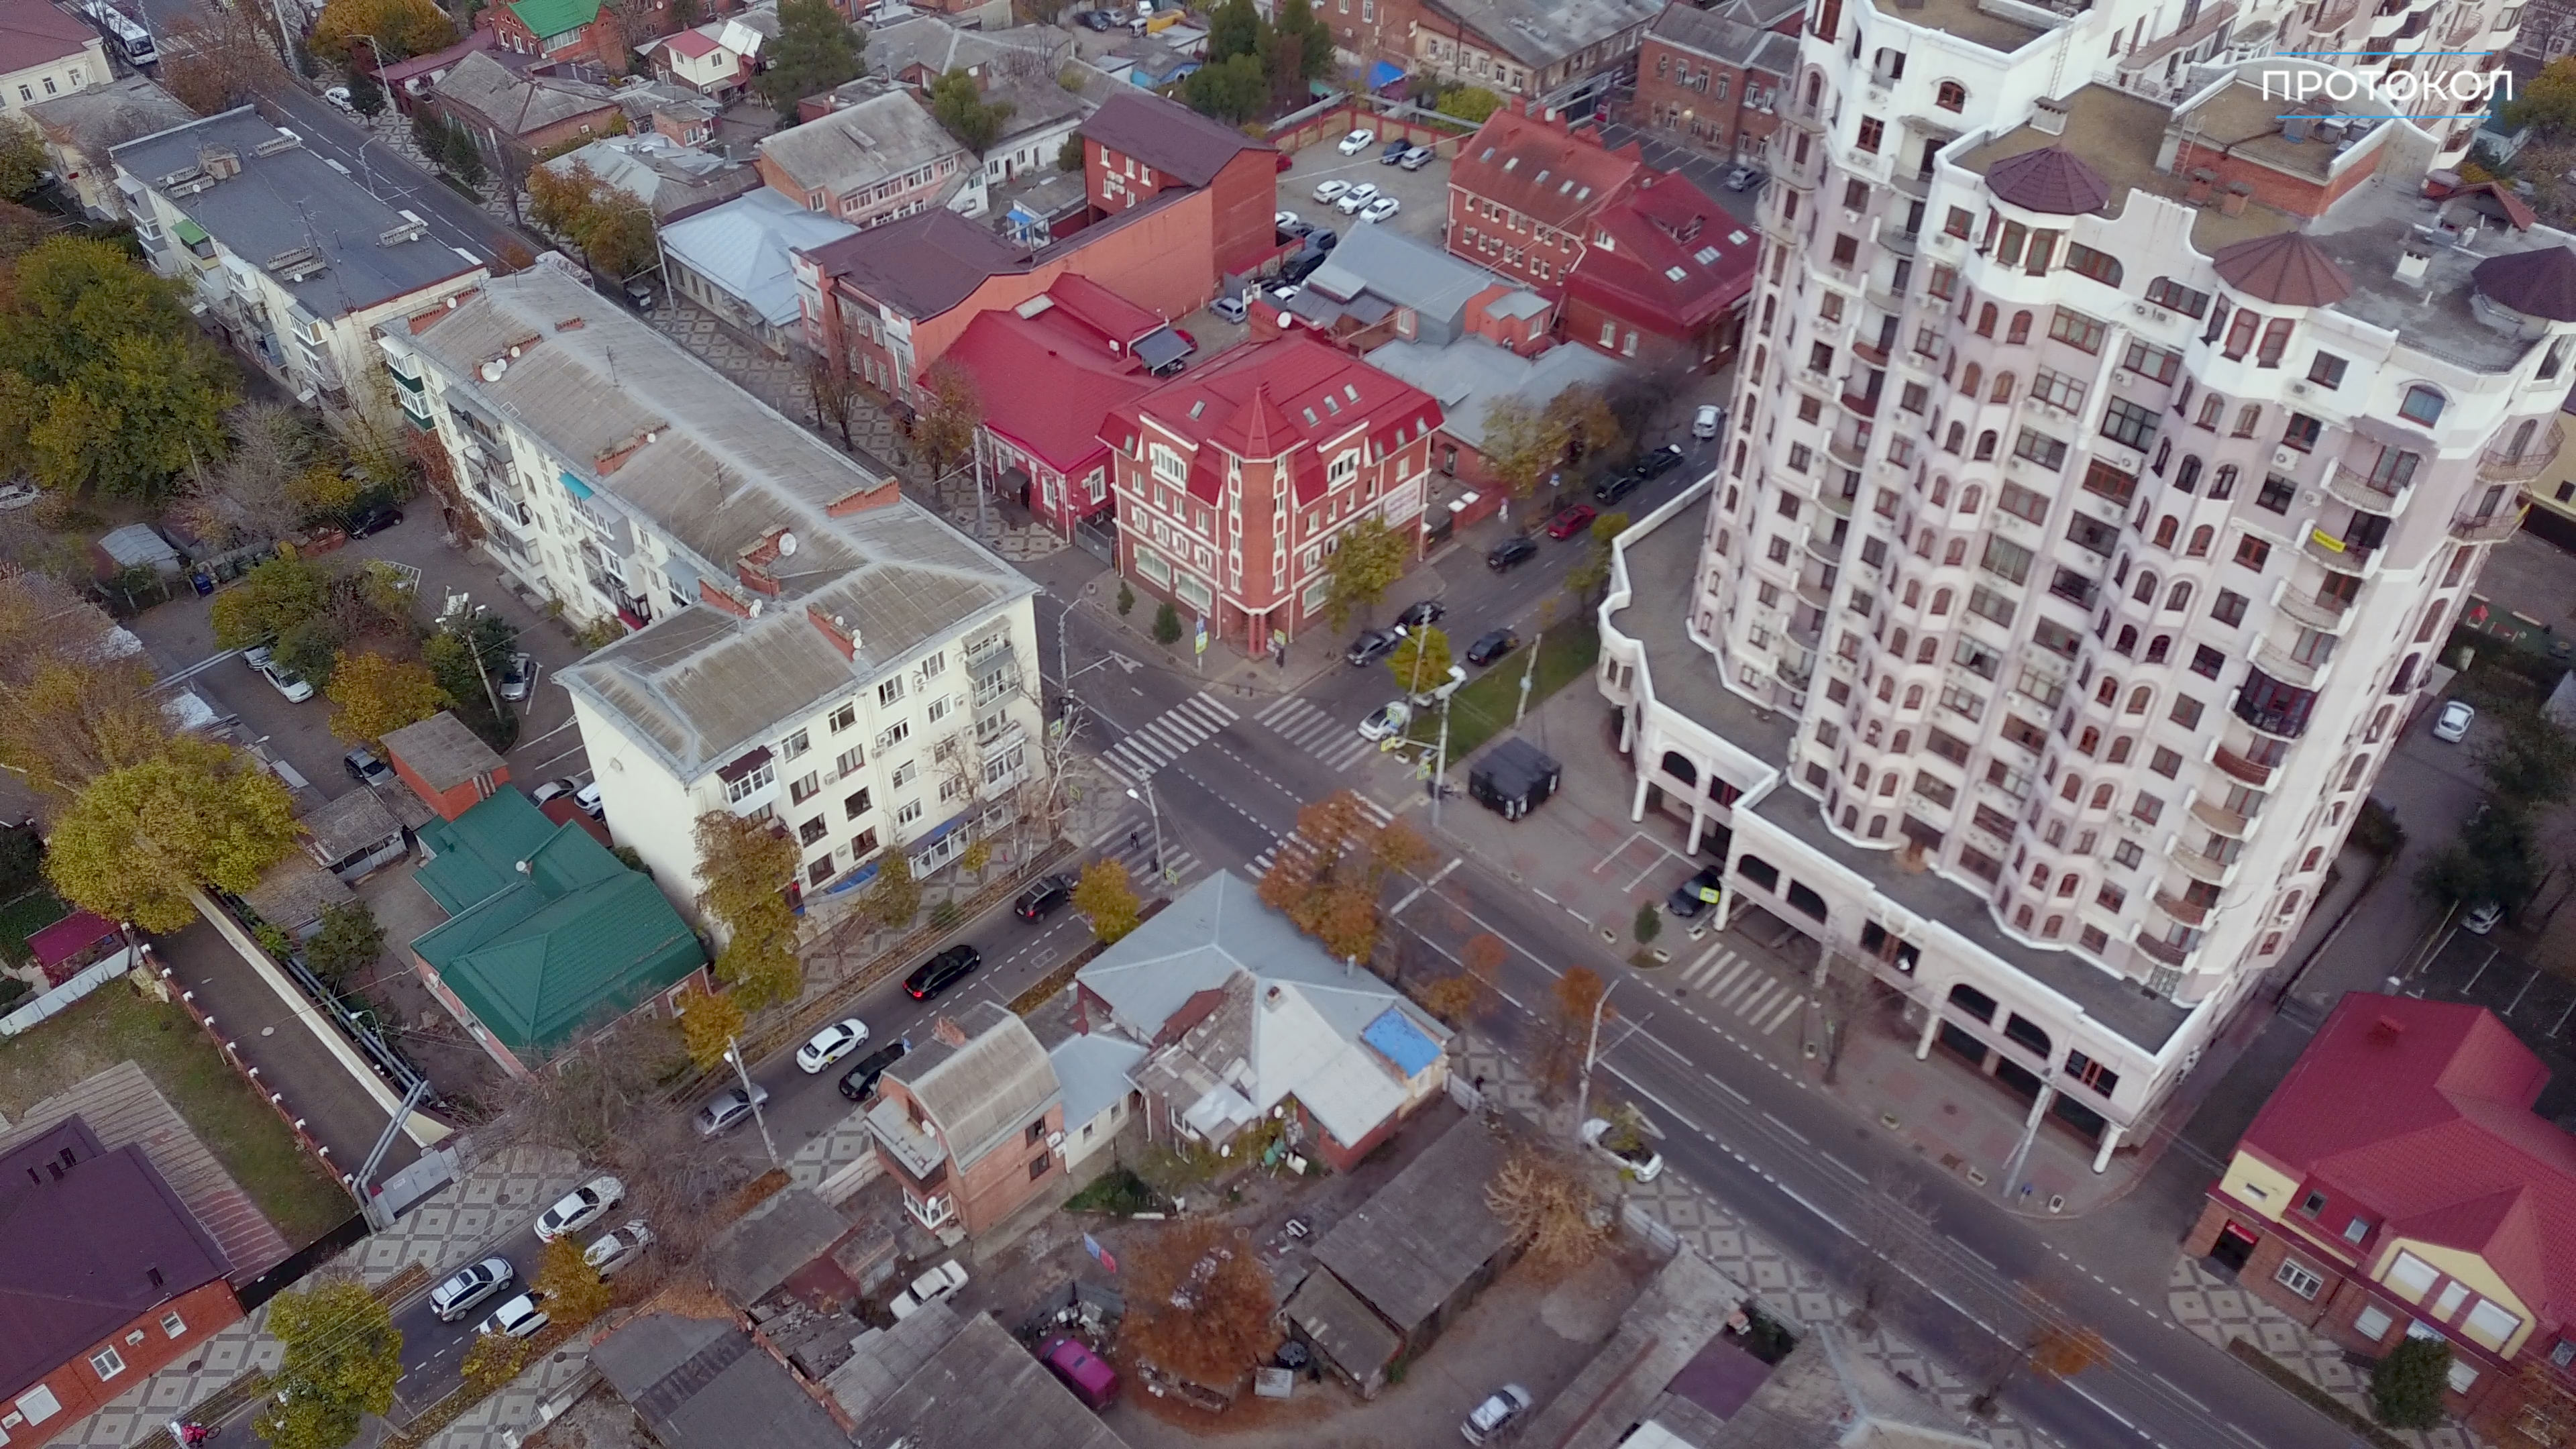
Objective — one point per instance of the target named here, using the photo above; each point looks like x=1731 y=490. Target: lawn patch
x=24 y=917
x=1483 y=709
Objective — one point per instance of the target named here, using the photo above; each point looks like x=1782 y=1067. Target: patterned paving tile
x=2218 y=1311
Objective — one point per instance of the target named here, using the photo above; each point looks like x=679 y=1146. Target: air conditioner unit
x=2160 y=314
x=2124 y=377
x=2141 y=308
x=2285 y=458
x=2298 y=389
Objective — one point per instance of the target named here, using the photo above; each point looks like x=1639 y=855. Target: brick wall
x=80 y=1390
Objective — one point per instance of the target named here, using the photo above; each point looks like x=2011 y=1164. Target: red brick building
x=1139 y=146
x=2443 y=1209
x=970 y=1124
x=110 y=1278
x=1664 y=278
x=445 y=764
x=1049 y=371
x=1711 y=79
x=1236 y=481
x=1524 y=190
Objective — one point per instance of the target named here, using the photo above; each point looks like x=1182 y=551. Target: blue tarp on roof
x=573 y=485
x=1401 y=1042
x=1383 y=74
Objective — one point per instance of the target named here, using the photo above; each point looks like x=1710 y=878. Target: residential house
x=293 y=893
x=805 y=627
x=1237 y=479
x=112 y=1276
x=81 y=128
x=2438 y=1212
x=737 y=260
x=516 y=116
x=1524 y=190
x=1712 y=79
x=1468 y=377
x=353 y=835
x=970 y=1124
x=706 y=1383
x=547 y=935
x=1403 y=1266
x=445 y=764
x=296 y=262
x=1523 y=49
x=586 y=31
x=46 y=51
x=945 y=1380
x=2553 y=489
x=1150 y=62
x=989 y=15
x=1380 y=285
x=773 y=1247
x=1663 y=278
x=413 y=80
x=719 y=58
x=672 y=180
x=920 y=48
x=673 y=112
x=1137 y=147
x=874 y=161
x=1095 y=1069
x=1242 y=1015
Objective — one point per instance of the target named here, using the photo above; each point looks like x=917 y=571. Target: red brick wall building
x=971 y=1123
x=1139 y=145
x=1523 y=191
x=1711 y=79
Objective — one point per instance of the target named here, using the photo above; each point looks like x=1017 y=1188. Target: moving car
x=1356 y=142
x=730 y=1108
x=1076 y=1367
x=618 y=1247
x=518 y=1318
x=1492 y=645
x=1417 y=158
x=518 y=675
x=1570 y=520
x=1421 y=612
x=580 y=1207
x=2483 y=920
x=460 y=1292
x=1659 y=462
x=2453 y=722
x=1331 y=190
x=1706 y=422
x=1502 y=1408
x=374 y=518
x=1387 y=719
x=287 y=681
x=1355 y=198
x=1511 y=553
x=941 y=971
x=831 y=1044
x=860 y=1081
x=930 y=1287
x=1743 y=178
x=1382 y=209
x=1641 y=1161
x=339 y=96
x=1397 y=148
x=1696 y=894
x=1373 y=645
x=1050 y=892
x=365 y=768
x=1229 y=308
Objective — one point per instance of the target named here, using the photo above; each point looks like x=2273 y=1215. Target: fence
x=1100 y=540
x=276 y=1100
x=60 y=998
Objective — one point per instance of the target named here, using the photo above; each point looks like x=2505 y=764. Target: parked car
x=518 y=675
x=1501 y=1409
x=339 y=96
x=1332 y=189
x=940 y=1282
x=1743 y=178
x=940 y=972
x=729 y=1109
x=260 y=656
x=1387 y=719
x=1373 y=645
x=1356 y=142
x=1492 y=645
x=1696 y=894
x=1355 y=198
x=859 y=1082
x=1511 y=553
x=287 y=682
x=831 y=1044
x=1289 y=222
x=580 y=1207
x=1617 y=486
x=14 y=496
x=374 y=518
x=460 y=1292
x=2483 y=920
x=1639 y=1161
x=2452 y=724
x=618 y=1247
x=1659 y=461
x=365 y=768
x=549 y=790
x=587 y=798
x=1382 y=209
x=1417 y=158
x=1396 y=150
x=1075 y=1366
x=1570 y=520
x=1048 y=893
x=1706 y=422
x=1323 y=239
x=1230 y=308
x=1421 y=612
x=518 y=1318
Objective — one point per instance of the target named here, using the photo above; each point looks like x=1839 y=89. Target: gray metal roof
x=1421 y=1237
x=743 y=247
x=857 y=147
x=882 y=1360
x=1217 y=928
x=979 y=1391
x=442 y=751
x=343 y=827
x=1404 y=271
x=703 y=1384
x=663 y=174
x=1471 y=374
x=519 y=104
x=722 y=476
x=984 y=1093
x=928 y=40
x=1539 y=33
x=1092 y=1070
x=287 y=209
x=759 y=1250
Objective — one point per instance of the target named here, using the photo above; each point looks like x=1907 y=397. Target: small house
x=445 y=764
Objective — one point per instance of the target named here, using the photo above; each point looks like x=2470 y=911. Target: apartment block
x=2095 y=501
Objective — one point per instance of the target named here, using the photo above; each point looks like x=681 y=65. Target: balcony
x=2238 y=767
x=1823 y=547
x=1914 y=184
x=2502 y=466
x=1846 y=452
x=2198 y=866
x=2487 y=527
x=1835 y=503
x=2273 y=707
x=2351 y=485
x=2206 y=25
x=2221 y=819
x=2164 y=951
x=2181 y=910
x=2277 y=662
x=2344 y=558
x=1865 y=406
x=2317 y=611
x=1820 y=595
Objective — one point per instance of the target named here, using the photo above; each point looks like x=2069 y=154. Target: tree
x=1371 y=558
x=895 y=897
x=574 y=1292
x=2547 y=103
x=2528 y=758
x=269 y=600
x=213 y=58
x=1573 y=1000
x=1233 y=91
x=2494 y=859
x=1068 y=157
x=1893 y=1213
x=348 y=943
x=342 y=1357
x=2406 y=1387
x=835 y=393
x=492 y=1360
x=429 y=135
x=944 y=433
x=137 y=839
x=22 y=157
x=1199 y=1304
x=1583 y=423
x=366 y=96
x=1548 y=1208
x=1329 y=881
x=710 y=1023
x=1301 y=46
x=1517 y=449
x=1649 y=923
x=377 y=696
x=1422 y=661
x=1587 y=579
x=1127 y=599
x=745 y=866
x=1167 y=624
x=1106 y=897
x=957 y=103
x=2050 y=1351
x=75 y=700
x=815 y=50
x=1234 y=28
x=1845 y=991
x=464 y=158
x=259 y=490
x=1472 y=104
x=404 y=28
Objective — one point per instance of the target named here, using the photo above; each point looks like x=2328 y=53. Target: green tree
x=429 y=135
x=944 y=432
x=132 y=844
x=745 y=866
x=349 y=942
x=464 y=158
x=127 y=428
x=1422 y=661
x=366 y=97
x=1586 y=579
x=73 y=705
x=1649 y=923
x=1234 y=28
x=342 y=1358
x=2406 y=1387
x=1126 y=598
x=1233 y=91
x=269 y=600
x=1371 y=558
x=957 y=103
x=22 y=156
x=1108 y=900
x=404 y=28
x=2548 y=102
x=1518 y=448
x=1301 y=48
x=1167 y=624
x=1471 y=104
x=815 y=50
x=1581 y=423
x=574 y=1292
x=493 y=1360
x=2528 y=758
x=2495 y=858
x=1068 y=157
x=710 y=1023
x=377 y=696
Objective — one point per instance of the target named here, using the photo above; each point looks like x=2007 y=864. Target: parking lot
x=1423 y=195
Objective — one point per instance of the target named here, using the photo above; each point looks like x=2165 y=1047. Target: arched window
x=2003 y=392
x=1928 y=651
x=2405 y=679
x=2352 y=777
x=1971 y=498
x=1958 y=436
x=2089 y=741
x=1678 y=765
x=1860 y=774
x=1851 y=817
x=2139 y=699
x=1914 y=696
x=2179 y=598
x=1954 y=553
x=2187 y=477
x=2039 y=876
x=2248 y=418
x=2166 y=528
x=1950 y=96
x=2309 y=861
x=2144 y=591
x=2067 y=883
x=2212 y=408
x=1886 y=689
x=2120 y=749
x=2290 y=904
x=1986 y=320
x=1940 y=602
x=1923 y=544
x=2203 y=536
x=2159 y=647
x=2109 y=691
x=2073 y=787
x=2055 y=924
x=1940 y=492
x=1897 y=646
x=1913 y=593
x=2522 y=436
x=1887 y=783
x=2378 y=725
x=1904 y=741
x=1970 y=380
x=2021 y=919
x=1986 y=446
x=2020 y=328
x=2421 y=405
x=1869 y=734
x=2102 y=797
x=2127 y=643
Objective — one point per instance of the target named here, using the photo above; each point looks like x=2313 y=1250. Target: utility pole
x=1591 y=1045
x=751 y=1094
x=1440 y=765
x=1156 y=812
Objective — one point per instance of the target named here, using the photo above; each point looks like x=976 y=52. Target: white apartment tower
x=2115 y=446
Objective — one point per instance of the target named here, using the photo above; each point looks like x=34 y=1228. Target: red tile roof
x=1100 y=309
x=1541 y=169
x=1045 y=386
x=2446 y=1147
x=2052 y=180
x=2284 y=267
x=33 y=33
x=1674 y=262
x=1288 y=397
x=692 y=44
x=2537 y=283
x=1168 y=136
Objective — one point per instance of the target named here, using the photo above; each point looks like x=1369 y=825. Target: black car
x=1659 y=462
x=1696 y=894
x=1305 y=263
x=941 y=971
x=860 y=1080
x=1394 y=152
x=1492 y=646
x=1049 y=893
x=1617 y=486
x=1373 y=645
x=374 y=518
x=1510 y=553
x=1324 y=239
x=1421 y=612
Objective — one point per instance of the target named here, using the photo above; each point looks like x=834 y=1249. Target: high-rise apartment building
x=2114 y=448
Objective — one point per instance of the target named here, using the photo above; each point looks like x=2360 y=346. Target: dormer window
x=2356 y=1230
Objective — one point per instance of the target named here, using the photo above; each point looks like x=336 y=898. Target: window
x=1038 y=1168
x=2165 y=762
x=2276 y=341
x=805 y=789
x=906 y=773
x=2409 y=1274
x=739 y=790
x=1951 y=96
x=2490 y=1322
x=1035 y=1134
x=2076 y=330
x=810 y=831
x=106 y=1363
x=2298 y=1278
x=856 y=804
x=893 y=735
x=2153 y=363
x=2127 y=855
x=2006 y=560
x=1872 y=132
x=2275 y=494
x=2126 y=422
x=2100 y=266
x=2146 y=809
x=795 y=744
x=2093 y=535
x=172 y=1325
x=1958 y=222
x=890 y=693
x=2164 y=292
x=2252 y=552
x=2023 y=503
x=2421 y=405
x=2240 y=333
x=849 y=761
x=909 y=812
x=2057 y=390
x=2207 y=662
x=2040 y=448
x=2302 y=432
x=2372 y=1323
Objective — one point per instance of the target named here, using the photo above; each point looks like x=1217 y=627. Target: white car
x=2453 y=722
x=831 y=1044
x=1501 y=1409
x=1382 y=209
x=2483 y=920
x=518 y=1318
x=580 y=1208
x=1385 y=720
x=930 y=1287
x=1643 y=1163
x=1285 y=219
x=1331 y=189
x=289 y=683
x=617 y=1248
x=1356 y=142
x=587 y=797
x=1355 y=198
x=1705 y=424
x=17 y=495
x=339 y=96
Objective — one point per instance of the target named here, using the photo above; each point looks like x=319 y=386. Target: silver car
x=729 y=1109
x=467 y=1288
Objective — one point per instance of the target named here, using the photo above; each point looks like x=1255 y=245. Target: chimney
x=154 y=1274
x=947 y=1030
x=2048 y=116
x=835 y=628
x=524 y=870
x=2204 y=184
x=2411 y=265
x=862 y=499
x=2295 y=130
x=2233 y=204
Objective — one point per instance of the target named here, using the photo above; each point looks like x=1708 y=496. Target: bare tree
x=1844 y=993
x=259 y=491
x=1894 y=1212
x=1549 y=1209
x=835 y=393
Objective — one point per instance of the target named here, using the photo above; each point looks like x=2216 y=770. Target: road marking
x=1785 y=1127
x=1762 y=988
x=1787 y=1010
x=1735 y=966
x=1848 y=1169
x=2178 y=1391
x=1691 y=975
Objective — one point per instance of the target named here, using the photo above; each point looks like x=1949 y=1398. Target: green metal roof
x=542 y=953
x=188 y=231
x=546 y=18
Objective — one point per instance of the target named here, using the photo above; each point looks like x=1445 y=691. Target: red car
x=1570 y=521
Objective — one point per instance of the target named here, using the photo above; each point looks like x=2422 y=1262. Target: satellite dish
x=786 y=545
x=491 y=371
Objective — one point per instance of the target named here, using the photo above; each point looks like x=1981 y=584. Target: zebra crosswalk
x=1378 y=815
x=1131 y=844
x=1167 y=737
x=1727 y=982
x=1327 y=737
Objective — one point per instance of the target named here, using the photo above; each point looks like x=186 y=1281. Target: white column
x=2110 y=1140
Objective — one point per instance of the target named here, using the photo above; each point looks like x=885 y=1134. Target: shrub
x=1167 y=624
x=1126 y=599
x=1650 y=923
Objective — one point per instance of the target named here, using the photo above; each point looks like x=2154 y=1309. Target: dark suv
x=942 y=971
x=1049 y=893
x=861 y=1080
x=1512 y=551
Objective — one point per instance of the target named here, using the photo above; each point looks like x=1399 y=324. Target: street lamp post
x=1591 y=1048
x=1156 y=812
x=751 y=1094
